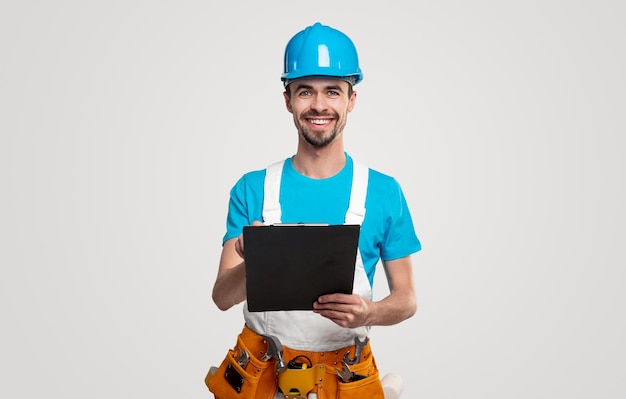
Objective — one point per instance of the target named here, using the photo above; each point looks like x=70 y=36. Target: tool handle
x=274 y=347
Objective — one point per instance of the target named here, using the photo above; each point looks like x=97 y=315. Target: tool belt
x=246 y=372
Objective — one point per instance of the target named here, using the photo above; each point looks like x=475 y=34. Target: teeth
x=319 y=121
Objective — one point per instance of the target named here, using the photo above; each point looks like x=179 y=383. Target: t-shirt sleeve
x=400 y=239
x=244 y=205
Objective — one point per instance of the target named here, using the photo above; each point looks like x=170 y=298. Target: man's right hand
x=239 y=242
x=229 y=288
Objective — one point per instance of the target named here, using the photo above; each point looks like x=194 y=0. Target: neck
x=319 y=163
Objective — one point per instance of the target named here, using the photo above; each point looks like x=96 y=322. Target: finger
x=340 y=318
x=335 y=307
x=338 y=298
x=239 y=246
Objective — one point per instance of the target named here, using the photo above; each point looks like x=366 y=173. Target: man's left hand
x=346 y=310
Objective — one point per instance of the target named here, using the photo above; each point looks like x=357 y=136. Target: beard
x=321 y=139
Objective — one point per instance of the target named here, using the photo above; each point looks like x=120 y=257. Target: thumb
x=239 y=243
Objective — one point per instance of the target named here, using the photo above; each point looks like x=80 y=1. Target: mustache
x=313 y=114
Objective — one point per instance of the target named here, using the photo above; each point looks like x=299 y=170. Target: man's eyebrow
x=334 y=87
x=303 y=86
x=329 y=87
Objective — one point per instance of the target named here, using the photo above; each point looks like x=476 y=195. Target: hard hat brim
x=353 y=79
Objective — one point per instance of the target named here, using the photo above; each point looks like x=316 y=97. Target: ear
x=352 y=101
x=287 y=102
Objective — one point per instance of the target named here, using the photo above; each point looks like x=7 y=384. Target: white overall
x=305 y=330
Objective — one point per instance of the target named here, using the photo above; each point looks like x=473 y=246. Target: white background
x=124 y=125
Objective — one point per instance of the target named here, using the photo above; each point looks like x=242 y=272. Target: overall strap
x=271 y=203
x=356 y=208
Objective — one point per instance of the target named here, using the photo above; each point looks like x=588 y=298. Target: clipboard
x=289 y=266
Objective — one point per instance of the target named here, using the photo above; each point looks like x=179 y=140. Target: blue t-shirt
x=387 y=231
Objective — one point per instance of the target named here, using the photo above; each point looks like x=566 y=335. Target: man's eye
x=333 y=93
x=304 y=93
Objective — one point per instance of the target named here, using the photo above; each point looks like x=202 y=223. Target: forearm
x=401 y=303
x=393 y=309
x=230 y=287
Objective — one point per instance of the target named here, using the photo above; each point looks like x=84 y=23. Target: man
x=319 y=184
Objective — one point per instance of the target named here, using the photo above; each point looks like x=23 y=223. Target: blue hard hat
x=320 y=50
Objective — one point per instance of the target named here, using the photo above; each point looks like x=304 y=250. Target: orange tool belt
x=315 y=372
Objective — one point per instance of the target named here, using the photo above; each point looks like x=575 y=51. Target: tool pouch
x=230 y=381
x=369 y=387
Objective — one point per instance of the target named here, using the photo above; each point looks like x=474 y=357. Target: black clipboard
x=289 y=266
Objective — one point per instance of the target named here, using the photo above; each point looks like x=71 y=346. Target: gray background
x=125 y=123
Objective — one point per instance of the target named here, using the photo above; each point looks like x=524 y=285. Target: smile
x=320 y=121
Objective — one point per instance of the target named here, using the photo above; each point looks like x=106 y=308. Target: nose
x=319 y=104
